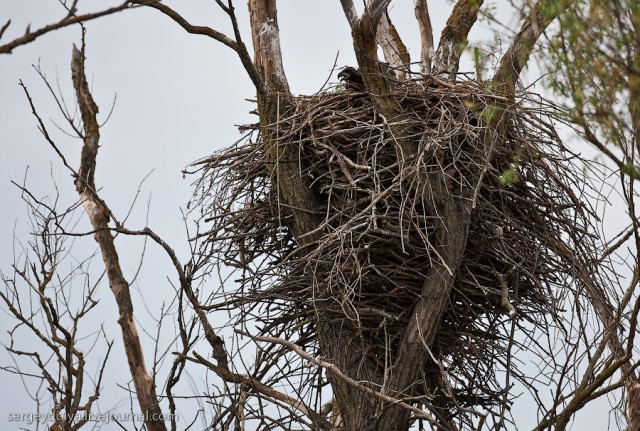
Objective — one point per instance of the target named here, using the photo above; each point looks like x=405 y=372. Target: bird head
x=352 y=79
x=347 y=73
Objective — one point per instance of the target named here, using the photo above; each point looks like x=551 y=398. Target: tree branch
x=98 y=213
x=512 y=62
x=237 y=45
x=426 y=35
x=350 y=12
x=337 y=372
x=293 y=189
x=395 y=51
x=68 y=20
x=377 y=8
x=454 y=36
x=259 y=387
x=266 y=45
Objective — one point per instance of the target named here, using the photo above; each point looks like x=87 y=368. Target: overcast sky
x=178 y=99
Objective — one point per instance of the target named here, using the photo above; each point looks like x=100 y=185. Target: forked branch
x=394 y=49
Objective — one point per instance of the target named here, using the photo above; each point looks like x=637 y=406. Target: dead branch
x=235 y=44
x=223 y=367
x=395 y=51
x=98 y=214
x=69 y=19
x=350 y=12
x=263 y=389
x=335 y=370
x=36 y=297
x=266 y=47
x=376 y=8
x=426 y=35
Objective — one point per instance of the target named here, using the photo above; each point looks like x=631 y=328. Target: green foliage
x=630 y=169
x=478 y=62
x=510 y=175
x=489 y=113
x=594 y=57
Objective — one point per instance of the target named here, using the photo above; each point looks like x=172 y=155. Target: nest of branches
x=376 y=225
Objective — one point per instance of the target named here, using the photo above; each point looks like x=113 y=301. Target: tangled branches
x=376 y=233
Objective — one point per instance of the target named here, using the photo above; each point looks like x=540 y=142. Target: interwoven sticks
x=376 y=235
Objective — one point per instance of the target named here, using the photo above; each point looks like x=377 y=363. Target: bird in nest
x=352 y=79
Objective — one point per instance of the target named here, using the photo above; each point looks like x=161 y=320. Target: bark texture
x=426 y=35
x=395 y=52
x=454 y=37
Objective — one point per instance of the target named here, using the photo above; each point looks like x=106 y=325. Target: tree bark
x=426 y=35
x=454 y=37
x=543 y=13
x=274 y=99
x=394 y=50
x=632 y=384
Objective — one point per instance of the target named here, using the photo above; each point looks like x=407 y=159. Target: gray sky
x=178 y=99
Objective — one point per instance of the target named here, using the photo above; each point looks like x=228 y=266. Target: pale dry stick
x=426 y=35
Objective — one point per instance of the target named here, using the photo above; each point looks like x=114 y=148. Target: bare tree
x=55 y=319
x=401 y=238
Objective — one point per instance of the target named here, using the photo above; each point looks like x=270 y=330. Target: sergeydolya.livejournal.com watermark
x=47 y=418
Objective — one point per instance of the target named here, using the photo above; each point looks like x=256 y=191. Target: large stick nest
x=376 y=234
